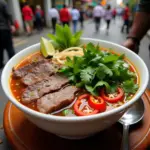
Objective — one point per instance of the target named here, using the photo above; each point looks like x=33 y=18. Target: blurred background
x=15 y=7
x=31 y=19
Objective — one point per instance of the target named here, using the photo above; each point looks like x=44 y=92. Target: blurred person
x=119 y=12
x=82 y=15
x=140 y=27
x=54 y=15
x=126 y=15
x=28 y=18
x=114 y=13
x=6 y=26
x=38 y=17
x=75 y=18
x=98 y=14
x=65 y=15
x=108 y=17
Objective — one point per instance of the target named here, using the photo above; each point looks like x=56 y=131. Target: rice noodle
x=60 y=57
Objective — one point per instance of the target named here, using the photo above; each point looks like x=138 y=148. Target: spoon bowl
x=134 y=115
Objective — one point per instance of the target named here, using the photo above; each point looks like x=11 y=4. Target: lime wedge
x=47 y=48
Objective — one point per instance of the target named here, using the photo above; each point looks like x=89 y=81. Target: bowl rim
x=81 y=118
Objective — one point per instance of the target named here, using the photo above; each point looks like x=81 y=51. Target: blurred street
x=114 y=35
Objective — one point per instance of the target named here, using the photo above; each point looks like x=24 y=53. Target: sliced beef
x=40 y=72
x=57 y=100
x=39 y=89
x=21 y=72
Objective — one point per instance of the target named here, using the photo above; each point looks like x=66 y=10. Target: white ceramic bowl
x=76 y=127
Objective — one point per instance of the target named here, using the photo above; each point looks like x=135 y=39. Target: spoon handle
x=125 y=138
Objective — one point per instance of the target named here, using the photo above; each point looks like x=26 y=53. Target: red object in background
x=16 y=24
x=65 y=15
x=126 y=13
x=27 y=13
x=114 y=12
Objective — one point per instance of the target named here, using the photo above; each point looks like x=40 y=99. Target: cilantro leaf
x=129 y=86
x=113 y=87
x=110 y=58
x=102 y=71
x=121 y=56
x=77 y=64
x=80 y=84
x=69 y=62
x=100 y=74
x=66 y=70
x=72 y=78
x=102 y=83
x=87 y=75
x=91 y=47
x=94 y=60
x=92 y=51
x=91 y=90
x=121 y=71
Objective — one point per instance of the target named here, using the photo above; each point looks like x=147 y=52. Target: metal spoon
x=132 y=116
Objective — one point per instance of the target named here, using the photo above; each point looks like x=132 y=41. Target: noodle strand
x=60 y=57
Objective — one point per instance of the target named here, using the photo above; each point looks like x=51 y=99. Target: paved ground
x=114 y=36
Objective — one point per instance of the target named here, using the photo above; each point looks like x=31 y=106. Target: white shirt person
x=98 y=13
x=54 y=16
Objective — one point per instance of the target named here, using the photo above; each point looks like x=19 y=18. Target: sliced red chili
x=114 y=97
x=97 y=103
x=82 y=108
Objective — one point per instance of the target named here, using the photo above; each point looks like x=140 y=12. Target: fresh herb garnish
x=98 y=69
x=68 y=112
x=64 y=38
x=129 y=86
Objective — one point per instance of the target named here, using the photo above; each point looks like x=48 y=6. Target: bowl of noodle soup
x=75 y=127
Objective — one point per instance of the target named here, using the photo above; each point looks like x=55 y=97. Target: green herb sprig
x=64 y=38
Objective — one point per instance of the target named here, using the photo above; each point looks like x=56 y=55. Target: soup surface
x=43 y=84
